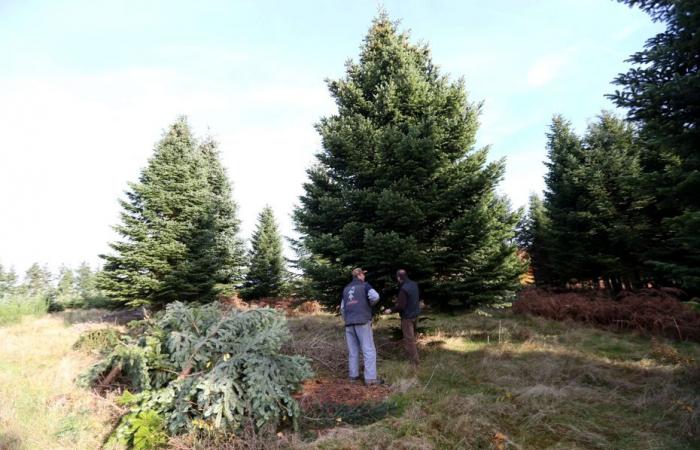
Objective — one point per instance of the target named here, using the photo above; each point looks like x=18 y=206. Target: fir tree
x=661 y=94
x=228 y=248
x=399 y=183
x=613 y=203
x=565 y=168
x=85 y=281
x=532 y=238
x=175 y=227
x=37 y=282
x=8 y=282
x=66 y=292
x=267 y=274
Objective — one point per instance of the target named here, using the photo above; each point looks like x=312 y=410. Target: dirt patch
x=324 y=391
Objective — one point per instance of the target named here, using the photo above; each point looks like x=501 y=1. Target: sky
x=87 y=88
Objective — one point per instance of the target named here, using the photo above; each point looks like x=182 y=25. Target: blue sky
x=86 y=88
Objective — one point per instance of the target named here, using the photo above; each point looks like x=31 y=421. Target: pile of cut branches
x=202 y=367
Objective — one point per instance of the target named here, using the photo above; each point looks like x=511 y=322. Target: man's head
x=401 y=275
x=359 y=273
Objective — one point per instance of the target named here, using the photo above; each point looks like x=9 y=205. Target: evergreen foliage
x=32 y=297
x=591 y=227
x=178 y=226
x=532 y=238
x=662 y=94
x=8 y=282
x=66 y=292
x=399 y=182
x=88 y=293
x=266 y=275
x=37 y=282
x=205 y=365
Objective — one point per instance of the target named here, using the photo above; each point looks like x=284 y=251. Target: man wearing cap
x=408 y=307
x=356 y=309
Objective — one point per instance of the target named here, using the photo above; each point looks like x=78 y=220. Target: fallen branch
x=111 y=376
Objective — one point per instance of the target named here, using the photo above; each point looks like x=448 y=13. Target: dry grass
x=509 y=382
x=40 y=406
x=647 y=311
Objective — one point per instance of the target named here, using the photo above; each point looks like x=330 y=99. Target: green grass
x=498 y=382
x=12 y=309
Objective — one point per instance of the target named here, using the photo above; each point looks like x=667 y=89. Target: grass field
x=498 y=382
x=40 y=406
x=13 y=309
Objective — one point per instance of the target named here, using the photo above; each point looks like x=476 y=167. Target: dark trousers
x=408 y=328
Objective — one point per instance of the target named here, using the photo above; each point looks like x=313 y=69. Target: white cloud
x=546 y=68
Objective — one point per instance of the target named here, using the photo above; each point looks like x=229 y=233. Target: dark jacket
x=408 y=303
x=355 y=306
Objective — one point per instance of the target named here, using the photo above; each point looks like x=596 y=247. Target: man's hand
x=386 y=311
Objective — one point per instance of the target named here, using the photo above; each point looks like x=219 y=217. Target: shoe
x=354 y=379
x=375 y=382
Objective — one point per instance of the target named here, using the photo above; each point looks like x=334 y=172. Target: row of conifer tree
x=621 y=207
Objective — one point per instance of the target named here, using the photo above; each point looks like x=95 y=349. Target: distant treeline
x=68 y=288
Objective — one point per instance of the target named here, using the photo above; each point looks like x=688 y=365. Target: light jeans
x=359 y=338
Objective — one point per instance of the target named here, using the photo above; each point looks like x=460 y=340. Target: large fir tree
x=565 y=166
x=662 y=94
x=400 y=184
x=267 y=273
x=179 y=231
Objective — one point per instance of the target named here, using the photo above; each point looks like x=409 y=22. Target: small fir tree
x=37 y=282
x=8 y=282
x=532 y=238
x=66 y=292
x=267 y=274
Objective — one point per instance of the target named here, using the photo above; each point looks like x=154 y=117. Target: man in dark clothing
x=356 y=309
x=408 y=307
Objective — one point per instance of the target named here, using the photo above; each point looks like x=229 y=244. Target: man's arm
x=372 y=295
x=400 y=302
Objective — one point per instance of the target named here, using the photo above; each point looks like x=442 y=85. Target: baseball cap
x=356 y=271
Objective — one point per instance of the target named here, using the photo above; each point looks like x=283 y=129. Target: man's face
x=361 y=276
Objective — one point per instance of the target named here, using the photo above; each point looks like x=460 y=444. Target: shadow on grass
x=9 y=441
x=118 y=317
